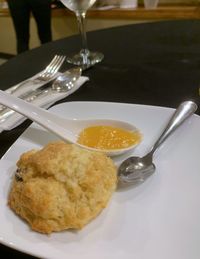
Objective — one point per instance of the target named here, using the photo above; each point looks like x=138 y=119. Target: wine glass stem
x=81 y=25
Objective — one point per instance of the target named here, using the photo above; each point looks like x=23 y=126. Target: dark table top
x=151 y=63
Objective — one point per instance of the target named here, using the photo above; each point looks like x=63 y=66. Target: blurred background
x=64 y=23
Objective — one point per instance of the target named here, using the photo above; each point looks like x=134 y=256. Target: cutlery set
x=44 y=76
x=47 y=82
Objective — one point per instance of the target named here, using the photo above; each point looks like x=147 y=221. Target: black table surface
x=150 y=63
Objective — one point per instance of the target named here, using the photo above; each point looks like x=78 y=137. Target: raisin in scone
x=61 y=186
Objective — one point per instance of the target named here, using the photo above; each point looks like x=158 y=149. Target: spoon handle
x=30 y=97
x=46 y=119
x=185 y=110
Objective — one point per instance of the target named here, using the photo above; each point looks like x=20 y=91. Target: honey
x=108 y=137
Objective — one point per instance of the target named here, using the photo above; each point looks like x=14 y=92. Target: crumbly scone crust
x=62 y=186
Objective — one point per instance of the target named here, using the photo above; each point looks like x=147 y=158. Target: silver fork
x=45 y=75
x=63 y=83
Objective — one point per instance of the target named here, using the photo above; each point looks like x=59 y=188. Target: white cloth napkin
x=45 y=101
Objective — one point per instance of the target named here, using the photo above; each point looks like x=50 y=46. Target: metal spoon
x=66 y=129
x=137 y=169
x=63 y=83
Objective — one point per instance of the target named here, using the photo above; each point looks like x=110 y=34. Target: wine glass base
x=85 y=60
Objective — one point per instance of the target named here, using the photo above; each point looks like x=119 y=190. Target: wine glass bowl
x=78 y=5
x=85 y=58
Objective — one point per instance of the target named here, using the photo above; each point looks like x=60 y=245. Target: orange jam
x=107 y=137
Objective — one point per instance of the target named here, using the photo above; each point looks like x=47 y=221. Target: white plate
x=156 y=220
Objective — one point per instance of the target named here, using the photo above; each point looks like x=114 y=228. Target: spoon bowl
x=65 y=81
x=141 y=167
x=137 y=169
x=66 y=129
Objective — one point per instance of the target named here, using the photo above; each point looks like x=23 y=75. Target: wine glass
x=84 y=58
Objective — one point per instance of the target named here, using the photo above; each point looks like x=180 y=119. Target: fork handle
x=20 y=85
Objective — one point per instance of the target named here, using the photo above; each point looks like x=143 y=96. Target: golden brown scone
x=61 y=186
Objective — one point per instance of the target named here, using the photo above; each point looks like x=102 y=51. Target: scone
x=61 y=186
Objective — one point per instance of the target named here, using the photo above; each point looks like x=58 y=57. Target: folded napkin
x=44 y=101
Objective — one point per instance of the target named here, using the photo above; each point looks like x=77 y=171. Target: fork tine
x=54 y=68
x=49 y=68
x=59 y=64
x=47 y=72
x=51 y=63
x=55 y=65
